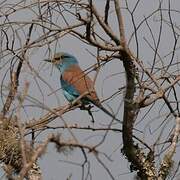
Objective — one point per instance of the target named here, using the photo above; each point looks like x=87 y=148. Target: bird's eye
x=56 y=59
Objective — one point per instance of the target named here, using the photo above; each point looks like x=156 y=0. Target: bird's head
x=63 y=60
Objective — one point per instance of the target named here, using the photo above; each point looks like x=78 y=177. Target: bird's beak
x=48 y=60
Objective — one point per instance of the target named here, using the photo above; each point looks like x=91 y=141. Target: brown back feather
x=81 y=82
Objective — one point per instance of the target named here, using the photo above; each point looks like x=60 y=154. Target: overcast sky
x=110 y=78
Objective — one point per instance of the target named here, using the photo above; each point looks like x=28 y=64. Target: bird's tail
x=98 y=105
x=106 y=111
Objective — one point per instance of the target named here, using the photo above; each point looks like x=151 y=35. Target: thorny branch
x=151 y=84
x=15 y=75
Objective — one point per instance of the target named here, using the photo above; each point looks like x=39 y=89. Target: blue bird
x=75 y=83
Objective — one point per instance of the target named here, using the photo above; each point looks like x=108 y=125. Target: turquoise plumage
x=74 y=82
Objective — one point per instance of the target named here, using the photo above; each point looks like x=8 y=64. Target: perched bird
x=75 y=83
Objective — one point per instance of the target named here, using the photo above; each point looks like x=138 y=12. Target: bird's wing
x=76 y=82
x=80 y=81
x=70 y=89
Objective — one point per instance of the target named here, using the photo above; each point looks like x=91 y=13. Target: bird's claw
x=88 y=109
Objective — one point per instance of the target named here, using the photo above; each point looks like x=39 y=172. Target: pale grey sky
x=51 y=162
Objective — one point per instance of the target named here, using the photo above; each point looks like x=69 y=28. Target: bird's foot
x=88 y=109
x=84 y=107
x=90 y=113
